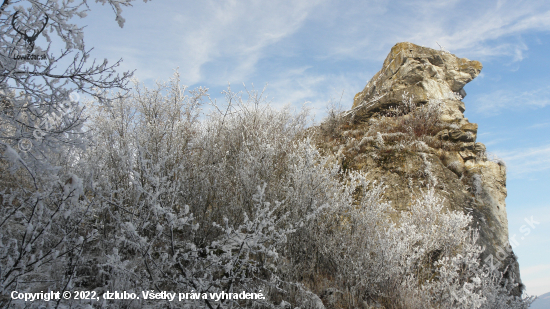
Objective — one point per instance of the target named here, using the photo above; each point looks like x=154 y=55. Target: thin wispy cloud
x=533 y=270
x=524 y=161
x=216 y=42
x=504 y=98
x=233 y=35
x=495 y=141
x=454 y=24
x=299 y=86
x=540 y=125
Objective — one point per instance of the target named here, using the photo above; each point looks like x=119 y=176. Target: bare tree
x=38 y=112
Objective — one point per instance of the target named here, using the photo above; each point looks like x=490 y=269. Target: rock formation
x=407 y=129
x=424 y=74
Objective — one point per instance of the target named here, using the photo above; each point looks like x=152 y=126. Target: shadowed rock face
x=448 y=158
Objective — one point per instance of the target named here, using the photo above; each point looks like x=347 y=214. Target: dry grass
x=405 y=127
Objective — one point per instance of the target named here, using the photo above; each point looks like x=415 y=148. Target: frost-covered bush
x=418 y=121
x=166 y=198
x=44 y=206
x=330 y=125
x=426 y=257
x=494 y=158
x=203 y=205
x=40 y=112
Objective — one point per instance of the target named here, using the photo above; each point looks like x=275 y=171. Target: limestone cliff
x=407 y=129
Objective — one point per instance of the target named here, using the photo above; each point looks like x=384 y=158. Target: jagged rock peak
x=419 y=73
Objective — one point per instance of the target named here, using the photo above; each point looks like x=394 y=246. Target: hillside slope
x=542 y=302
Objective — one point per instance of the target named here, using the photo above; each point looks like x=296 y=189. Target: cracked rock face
x=418 y=72
x=447 y=157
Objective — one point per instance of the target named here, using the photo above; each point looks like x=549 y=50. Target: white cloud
x=534 y=270
x=494 y=141
x=476 y=32
x=300 y=85
x=210 y=41
x=234 y=35
x=213 y=42
x=523 y=161
x=465 y=27
x=540 y=125
x=504 y=98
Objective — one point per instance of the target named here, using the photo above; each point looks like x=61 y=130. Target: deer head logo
x=29 y=39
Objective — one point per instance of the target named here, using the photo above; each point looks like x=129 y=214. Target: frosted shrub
x=494 y=158
x=333 y=120
x=427 y=258
x=207 y=205
x=41 y=238
x=44 y=207
x=166 y=198
x=418 y=121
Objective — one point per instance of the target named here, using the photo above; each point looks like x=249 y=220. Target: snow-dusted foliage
x=44 y=212
x=40 y=85
x=425 y=258
x=198 y=206
x=166 y=198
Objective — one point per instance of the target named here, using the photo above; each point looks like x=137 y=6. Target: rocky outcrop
x=420 y=73
x=407 y=128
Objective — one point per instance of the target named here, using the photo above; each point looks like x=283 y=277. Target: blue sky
x=313 y=50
